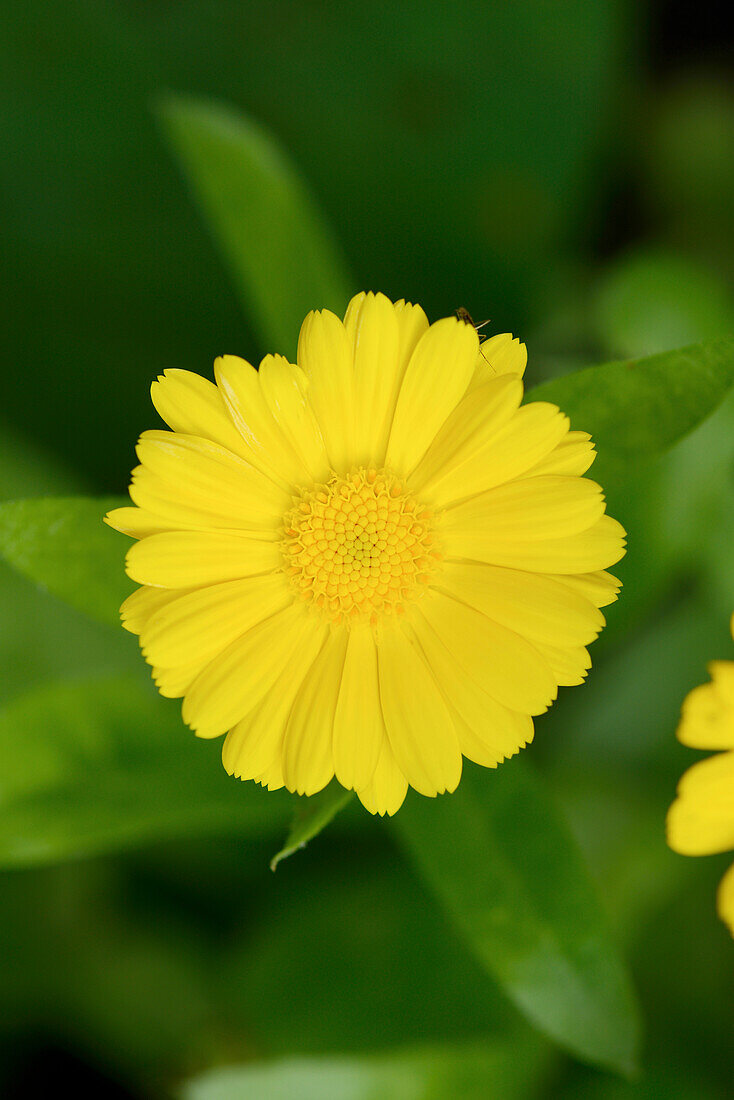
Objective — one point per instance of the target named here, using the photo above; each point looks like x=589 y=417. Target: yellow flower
x=701 y=820
x=368 y=564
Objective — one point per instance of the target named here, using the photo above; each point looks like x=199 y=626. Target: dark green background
x=563 y=167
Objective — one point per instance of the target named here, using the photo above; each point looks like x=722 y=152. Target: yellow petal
x=500 y=354
x=412 y=323
x=707 y=722
x=232 y=685
x=190 y=404
x=180 y=559
x=253 y=745
x=435 y=380
x=573 y=456
x=359 y=729
x=569 y=664
x=284 y=387
x=186 y=477
x=325 y=355
x=531 y=604
x=527 y=437
x=385 y=792
x=529 y=508
x=199 y=625
x=599 y=588
x=701 y=820
x=374 y=333
x=266 y=447
x=725 y=899
x=584 y=552
x=136 y=522
x=308 y=760
x=144 y=602
x=475 y=421
x=488 y=732
x=172 y=683
x=419 y=727
x=722 y=674
x=272 y=777
x=507 y=666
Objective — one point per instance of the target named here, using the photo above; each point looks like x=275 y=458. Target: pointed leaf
x=62 y=544
x=282 y=255
x=311 y=816
x=639 y=408
x=506 y=868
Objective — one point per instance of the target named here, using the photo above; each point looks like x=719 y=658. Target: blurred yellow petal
x=707 y=720
x=701 y=820
x=725 y=899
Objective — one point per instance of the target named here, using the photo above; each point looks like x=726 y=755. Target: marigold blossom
x=701 y=820
x=369 y=564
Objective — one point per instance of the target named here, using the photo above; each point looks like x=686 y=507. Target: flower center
x=359 y=546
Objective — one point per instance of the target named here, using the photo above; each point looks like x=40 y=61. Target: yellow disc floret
x=359 y=546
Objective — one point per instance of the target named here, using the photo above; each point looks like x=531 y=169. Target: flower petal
x=142 y=604
x=531 y=604
x=179 y=559
x=489 y=732
x=529 y=508
x=573 y=456
x=599 y=588
x=475 y=421
x=725 y=899
x=498 y=355
x=325 y=355
x=359 y=728
x=308 y=762
x=374 y=333
x=385 y=792
x=507 y=666
x=265 y=446
x=527 y=437
x=255 y=743
x=419 y=727
x=200 y=624
x=189 y=478
x=435 y=380
x=230 y=687
x=700 y=821
x=707 y=720
x=285 y=387
x=192 y=405
x=583 y=552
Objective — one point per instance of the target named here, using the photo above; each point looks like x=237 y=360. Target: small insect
x=465 y=316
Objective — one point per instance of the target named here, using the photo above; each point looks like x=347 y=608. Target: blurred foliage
x=563 y=167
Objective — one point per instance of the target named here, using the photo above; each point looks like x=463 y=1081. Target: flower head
x=701 y=820
x=368 y=564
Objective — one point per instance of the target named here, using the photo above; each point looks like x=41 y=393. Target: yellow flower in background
x=368 y=564
x=701 y=820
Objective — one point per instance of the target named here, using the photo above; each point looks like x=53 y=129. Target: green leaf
x=310 y=817
x=100 y=764
x=63 y=545
x=639 y=408
x=473 y=1072
x=283 y=257
x=507 y=870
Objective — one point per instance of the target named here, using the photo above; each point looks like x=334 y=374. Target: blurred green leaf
x=280 y=250
x=100 y=764
x=62 y=544
x=474 y=1072
x=639 y=408
x=653 y=300
x=311 y=816
x=507 y=869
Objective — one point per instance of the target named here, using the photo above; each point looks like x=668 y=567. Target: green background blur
x=563 y=167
